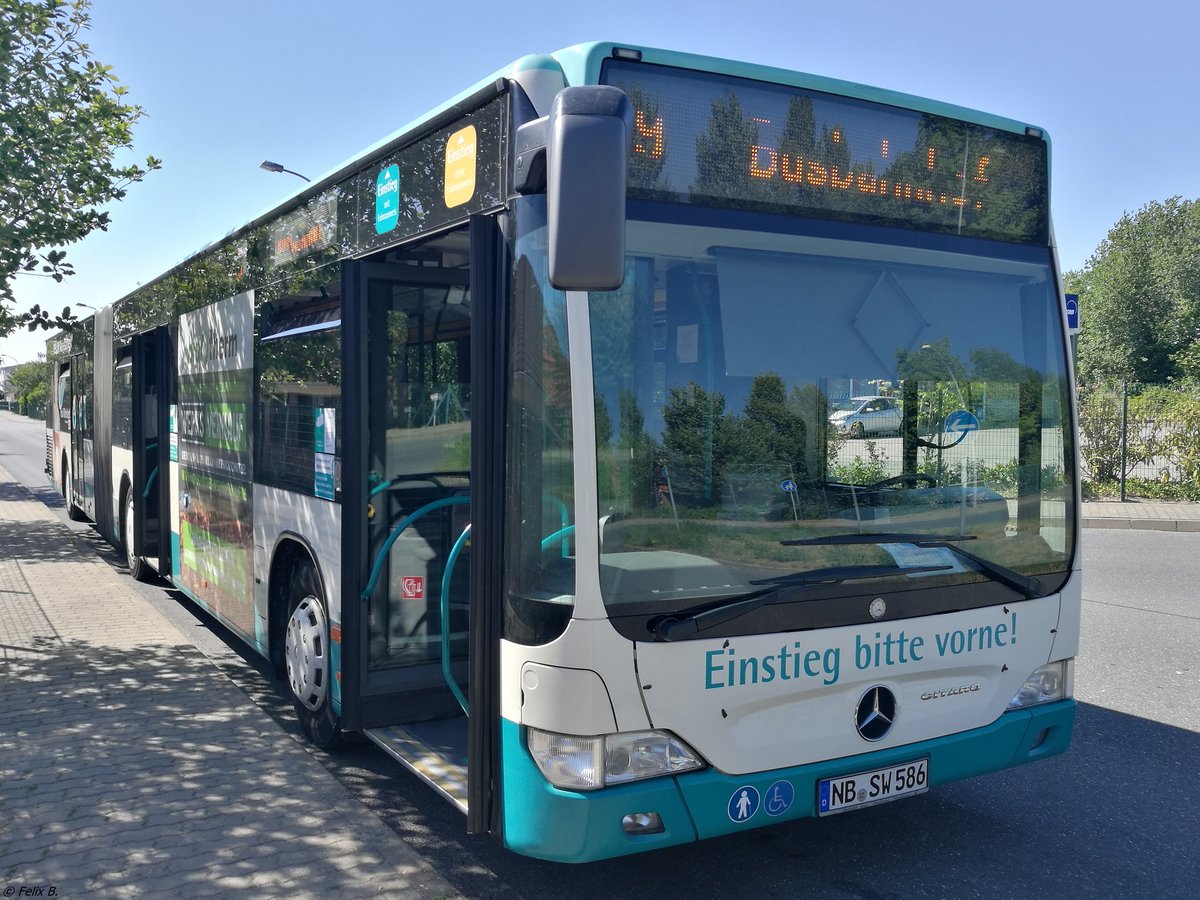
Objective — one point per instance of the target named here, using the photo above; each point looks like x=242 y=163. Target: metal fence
x=32 y=410
x=1139 y=440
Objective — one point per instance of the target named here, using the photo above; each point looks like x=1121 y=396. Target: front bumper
x=543 y=821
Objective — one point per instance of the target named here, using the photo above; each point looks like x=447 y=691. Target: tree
x=1139 y=297
x=26 y=383
x=770 y=432
x=63 y=120
x=699 y=438
x=722 y=154
x=649 y=156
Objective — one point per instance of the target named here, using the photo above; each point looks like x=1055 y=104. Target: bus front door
x=417 y=481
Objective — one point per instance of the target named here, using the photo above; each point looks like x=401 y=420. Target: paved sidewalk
x=130 y=766
x=1143 y=514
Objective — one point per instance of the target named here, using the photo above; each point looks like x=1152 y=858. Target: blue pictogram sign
x=961 y=421
x=743 y=804
x=778 y=798
x=1073 y=313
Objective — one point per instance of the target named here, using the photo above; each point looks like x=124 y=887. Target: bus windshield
x=761 y=396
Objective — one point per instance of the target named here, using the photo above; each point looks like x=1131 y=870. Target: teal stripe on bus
x=580 y=826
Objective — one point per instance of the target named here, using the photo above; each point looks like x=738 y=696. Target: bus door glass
x=149 y=391
x=420 y=453
x=82 y=468
x=62 y=430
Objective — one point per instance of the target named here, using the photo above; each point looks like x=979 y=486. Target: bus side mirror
x=581 y=150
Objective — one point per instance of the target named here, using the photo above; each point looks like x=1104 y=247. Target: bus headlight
x=1044 y=685
x=589 y=763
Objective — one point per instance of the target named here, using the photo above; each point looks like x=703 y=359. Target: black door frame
x=488 y=269
x=489 y=453
x=489 y=360
x=152 y=350
x=78 y=460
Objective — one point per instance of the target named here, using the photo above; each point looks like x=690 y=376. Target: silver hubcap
x=306 y=653
x=129 y=532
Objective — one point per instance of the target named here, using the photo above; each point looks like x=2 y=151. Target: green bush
x=1100 y=431
x=1144 y=488
x=862 y=471
x=1163 y=428
x=1174 y=427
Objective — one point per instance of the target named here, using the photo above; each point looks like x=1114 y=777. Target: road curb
x=1120 y=524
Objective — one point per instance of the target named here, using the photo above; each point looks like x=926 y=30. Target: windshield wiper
x=881 y=537
x=834 y=574
x=1029 y=588
x=672 y=627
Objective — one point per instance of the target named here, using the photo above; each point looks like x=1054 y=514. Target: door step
x=436 y=752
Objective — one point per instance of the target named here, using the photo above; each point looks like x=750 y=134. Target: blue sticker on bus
x=779 y=798
x=743 y=804
x=387 y=199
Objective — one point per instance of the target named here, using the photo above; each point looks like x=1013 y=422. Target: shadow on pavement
x=40 y=541
x=1098 y=821
x=138 y=770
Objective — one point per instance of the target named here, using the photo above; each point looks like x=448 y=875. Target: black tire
x=74 y=513
x=139 y=570
x=308 y=658
x=857 y=430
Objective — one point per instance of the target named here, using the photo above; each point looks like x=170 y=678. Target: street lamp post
x=268 y=166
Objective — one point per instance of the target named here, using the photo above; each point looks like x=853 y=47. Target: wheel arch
x=126 y=483
x=126 y=486
x=291 y=549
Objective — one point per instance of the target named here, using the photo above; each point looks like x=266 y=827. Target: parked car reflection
x=860 y=416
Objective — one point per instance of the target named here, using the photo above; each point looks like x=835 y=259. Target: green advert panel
x=216 y=369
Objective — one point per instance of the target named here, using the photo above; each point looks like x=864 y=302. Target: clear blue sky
x=309 y=83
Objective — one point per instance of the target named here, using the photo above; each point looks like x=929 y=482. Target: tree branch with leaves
x=64 y=120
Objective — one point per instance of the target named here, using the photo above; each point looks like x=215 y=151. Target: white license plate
x=835 y=795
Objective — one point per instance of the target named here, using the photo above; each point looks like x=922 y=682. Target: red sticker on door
x=412 y=587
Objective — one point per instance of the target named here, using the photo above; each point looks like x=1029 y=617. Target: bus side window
x=64 y=400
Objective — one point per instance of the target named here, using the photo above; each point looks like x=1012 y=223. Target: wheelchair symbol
x=778 y=798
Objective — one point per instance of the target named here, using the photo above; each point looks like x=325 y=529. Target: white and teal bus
x=640 y=447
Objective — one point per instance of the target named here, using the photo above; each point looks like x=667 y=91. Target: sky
x=309 y=83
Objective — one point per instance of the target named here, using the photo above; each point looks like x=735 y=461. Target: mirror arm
x=529 y=167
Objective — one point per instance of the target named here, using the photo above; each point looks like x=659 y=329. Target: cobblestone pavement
x=130 y=766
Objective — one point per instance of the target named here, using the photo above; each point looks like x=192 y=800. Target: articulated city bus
x=640 y=447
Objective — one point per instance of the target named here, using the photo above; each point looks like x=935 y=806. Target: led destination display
x=720 y=141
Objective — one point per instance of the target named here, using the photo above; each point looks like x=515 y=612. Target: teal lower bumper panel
x=580 y=826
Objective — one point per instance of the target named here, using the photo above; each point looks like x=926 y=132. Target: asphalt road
x=1118 y=815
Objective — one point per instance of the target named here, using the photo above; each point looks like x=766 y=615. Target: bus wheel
x=306 y=652
x=74 y=513
x=138 y=569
